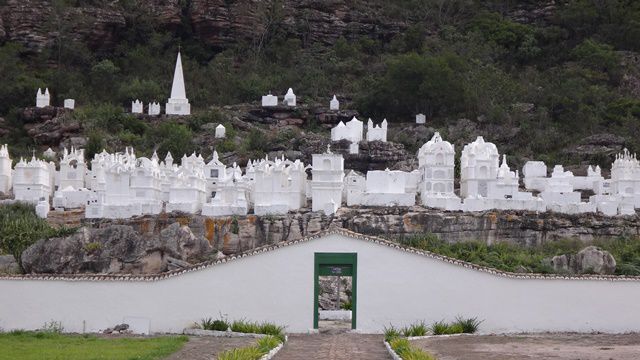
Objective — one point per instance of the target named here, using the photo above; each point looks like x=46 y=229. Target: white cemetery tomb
x=381 y=188
x=178 y=104
x=137 y=107
x=327 y=182
x=269 y=100
x=220 y=132
x=69 y=104
x=436 y=160
x=230 y=197
x=334 y=104
x=279 y=186
x=122 y=185
x=351 y=131
x=421 y=119
x=290 y=98
x=43 y=98
x=5 y=170
x=154 y=109
x=377 y=132
x=49 y=154
x=33 y=180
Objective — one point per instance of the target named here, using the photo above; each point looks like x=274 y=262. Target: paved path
x=208 y=347
x=334 y=346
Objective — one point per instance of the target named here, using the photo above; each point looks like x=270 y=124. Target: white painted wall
x=394 y=287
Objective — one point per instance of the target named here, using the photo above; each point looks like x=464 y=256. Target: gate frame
x=324 y=259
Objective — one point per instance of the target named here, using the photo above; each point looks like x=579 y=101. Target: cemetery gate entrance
x=335 y=264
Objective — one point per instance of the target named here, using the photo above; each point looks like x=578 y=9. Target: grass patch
x=403 y=347
x=52 y=345
x=243 y=326
x=262 y=347
x=514 y=258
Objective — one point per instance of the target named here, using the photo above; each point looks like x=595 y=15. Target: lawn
x=53 y=346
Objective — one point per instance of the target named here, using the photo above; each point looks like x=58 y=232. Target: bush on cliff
x=515 y=258
x=20 y=227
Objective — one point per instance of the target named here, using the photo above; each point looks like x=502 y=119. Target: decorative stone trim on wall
x=343 y=232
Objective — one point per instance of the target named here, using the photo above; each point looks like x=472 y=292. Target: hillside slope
x=555 y=81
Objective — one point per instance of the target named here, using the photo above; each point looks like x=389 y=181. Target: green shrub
x=211 y=324
x=272 y=330
x=440 y=328
x=92 y=247
x=455 y=328
x=469 y=325
x=243 y=326
x=171 y=136
x=399 y=345
x=403 y=348
x=346 y=306
x=515 y=258
x=257 y=141
x=391 y=333
x=20 y=228
x=267 y=343
x=262 y=347
x=417 y=329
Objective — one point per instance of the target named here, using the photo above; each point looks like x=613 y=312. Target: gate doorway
x=338 y=268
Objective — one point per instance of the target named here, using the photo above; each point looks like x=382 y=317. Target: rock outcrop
x=50 y=126
x=116 y=249
x=218 y=23
x=328 y=298
x=157 y=243
x=38 y=24
x=589 y=260
x=8 y=265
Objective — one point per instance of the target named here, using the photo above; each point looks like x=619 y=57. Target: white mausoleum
x=377 y=132
x=137 y=107
x=436 y=160
x=290 y=98
x=178 y=104
x=5 y=170
x=328 y=182
x=334 y=104
x=269 y=100
x=43 y=98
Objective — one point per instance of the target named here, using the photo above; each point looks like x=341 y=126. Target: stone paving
x=334 y=346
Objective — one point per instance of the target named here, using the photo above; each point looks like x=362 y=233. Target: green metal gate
x=335 y=264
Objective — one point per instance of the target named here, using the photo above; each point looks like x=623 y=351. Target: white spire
x=177 y=89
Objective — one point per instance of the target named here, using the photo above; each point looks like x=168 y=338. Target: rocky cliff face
x=117 y=249
x=153 y=243
x=37 y=24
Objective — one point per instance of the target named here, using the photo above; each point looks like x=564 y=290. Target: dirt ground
x=208 y=347
x=535 y=346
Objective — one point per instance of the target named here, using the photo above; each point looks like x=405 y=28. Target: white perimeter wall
x=394 y=287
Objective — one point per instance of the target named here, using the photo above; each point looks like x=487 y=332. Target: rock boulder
x=589 y=260
x=116 y=249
